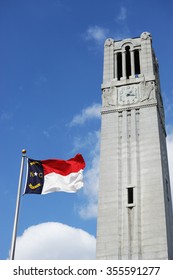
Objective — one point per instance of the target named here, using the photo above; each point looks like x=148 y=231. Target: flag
x=54 y=175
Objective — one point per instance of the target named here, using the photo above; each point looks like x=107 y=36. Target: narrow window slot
x=130 y=195
x=119 y=65
x=128 y=62
x=137 y=62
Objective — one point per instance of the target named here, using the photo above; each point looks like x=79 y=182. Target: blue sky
x=51 y=65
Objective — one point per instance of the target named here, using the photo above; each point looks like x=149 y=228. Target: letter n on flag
x=54 y=175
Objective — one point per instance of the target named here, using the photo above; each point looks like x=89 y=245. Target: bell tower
x=134 y=208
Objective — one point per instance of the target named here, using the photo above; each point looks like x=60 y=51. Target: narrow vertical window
x=119 y=65
x=130 y=196
x=137 y=62
x=128 y=62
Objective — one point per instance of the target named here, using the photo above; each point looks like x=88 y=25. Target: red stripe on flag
x=63 y=167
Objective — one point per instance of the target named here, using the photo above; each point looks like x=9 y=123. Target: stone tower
x=135 y=209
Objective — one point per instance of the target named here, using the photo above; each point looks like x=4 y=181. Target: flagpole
x=13 y=243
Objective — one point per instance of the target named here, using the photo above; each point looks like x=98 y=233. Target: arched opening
x=119 y=65
x=137 y=62
x=128 y=62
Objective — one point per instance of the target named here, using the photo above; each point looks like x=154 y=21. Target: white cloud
x=88 y=113
x=170 y=158
x=55 y=241
x=91 y=142
x=91 y=179
x=168 y=104
x=96 y=33
x=88 y=141
x=122 y=14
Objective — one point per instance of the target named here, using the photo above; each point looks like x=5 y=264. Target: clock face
x=128 y=95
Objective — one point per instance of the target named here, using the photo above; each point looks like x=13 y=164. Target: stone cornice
x=139 y=106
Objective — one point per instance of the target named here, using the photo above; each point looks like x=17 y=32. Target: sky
x=51 y=68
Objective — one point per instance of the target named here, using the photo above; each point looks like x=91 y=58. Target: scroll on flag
x=54 y=175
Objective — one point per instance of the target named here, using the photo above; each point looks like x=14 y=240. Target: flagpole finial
x=23 y=151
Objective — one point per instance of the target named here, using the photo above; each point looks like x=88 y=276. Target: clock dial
x=128 y=95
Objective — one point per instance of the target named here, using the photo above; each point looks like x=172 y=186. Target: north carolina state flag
x=54 y=175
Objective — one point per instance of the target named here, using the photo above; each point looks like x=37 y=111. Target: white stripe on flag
x=54 y=182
